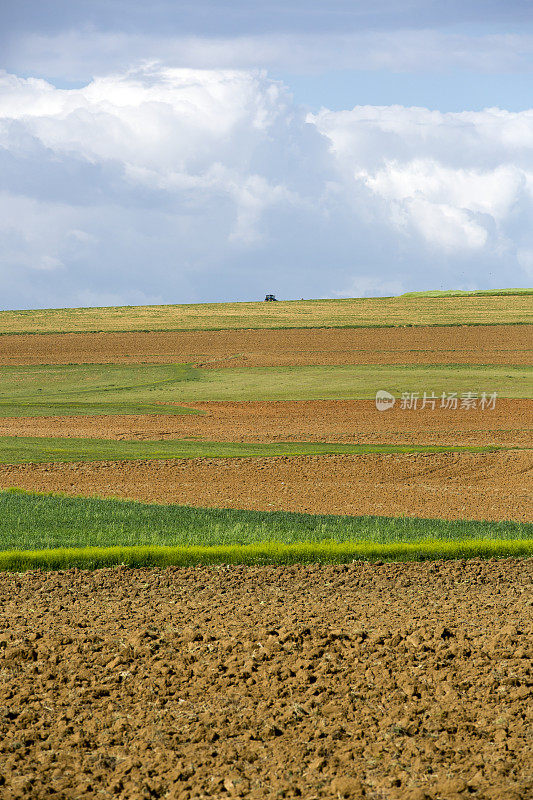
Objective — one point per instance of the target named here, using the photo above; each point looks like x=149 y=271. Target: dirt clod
x=400 y=682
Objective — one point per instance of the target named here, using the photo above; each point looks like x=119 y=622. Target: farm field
x=470 y=309
x=293 y=428
x=57 y=531
x=509 y=424
x=279 y=419
x=35 y=449
x=317 y=599
x=460 y=486
x=464 y=344
x=397 y=681
x=55 y=521
x=46 y=390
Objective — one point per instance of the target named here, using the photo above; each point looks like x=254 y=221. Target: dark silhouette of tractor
x=270 y=298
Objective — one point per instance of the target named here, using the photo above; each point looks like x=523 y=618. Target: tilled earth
x=482 y=486
x=485 y=344
x=396 y=681
x=509 y=424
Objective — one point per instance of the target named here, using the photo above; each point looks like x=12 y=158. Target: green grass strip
x=260 y=553
x=73 y=409
x=42 y=449
x=38 y=390
x=31 y=522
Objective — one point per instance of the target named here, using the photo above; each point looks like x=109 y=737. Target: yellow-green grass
x=478 y=309
x=133 y=389
x=60 y=532
x=57 y=532
x=356 y=382
x=261 y=553
x=73 y=409
x=41 y=449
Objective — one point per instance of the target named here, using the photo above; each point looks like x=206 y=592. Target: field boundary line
x=270 y=552
x=464 y=324
x=72 y=450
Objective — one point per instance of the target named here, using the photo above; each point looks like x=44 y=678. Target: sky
x=178 y=152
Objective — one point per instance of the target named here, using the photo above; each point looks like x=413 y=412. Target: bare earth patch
x=510 y=424
x=393 y=682
x=486 y=344
x=488 y=486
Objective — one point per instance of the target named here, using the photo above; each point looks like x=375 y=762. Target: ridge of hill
x=415 y=309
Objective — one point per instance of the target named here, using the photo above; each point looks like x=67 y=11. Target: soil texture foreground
x=392 y=682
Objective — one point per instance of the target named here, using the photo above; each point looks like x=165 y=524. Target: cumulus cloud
x=163 y=184
x=456 y=178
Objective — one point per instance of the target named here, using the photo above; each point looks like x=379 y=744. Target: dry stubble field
x=513 y=308
x=391 y=682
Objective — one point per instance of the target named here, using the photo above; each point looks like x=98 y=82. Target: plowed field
x=489 y=486
x=487 y=344
x=510 y=424
x=393 y=682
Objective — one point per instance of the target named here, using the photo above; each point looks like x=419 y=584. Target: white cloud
x=447 y=205
x=456 y=178
x=152 y=118
x=467 y=139
x=182 y=131
x=489 y=192
x=190 y=184
x=441 y=225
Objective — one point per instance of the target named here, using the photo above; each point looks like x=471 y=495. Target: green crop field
x=73 y=409
x=53 y=531
x=36 y=449
x=503 y=307
x=135 y=389
x=355 y=382
x=58 y=531
x=92 y=389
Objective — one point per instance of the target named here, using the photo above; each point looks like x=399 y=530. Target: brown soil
x=510 y=424
x=393 y=682
x=488 y=486
x=487 y=344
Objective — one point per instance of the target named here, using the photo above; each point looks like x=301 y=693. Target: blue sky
x=212 y=17
x=191 y=151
